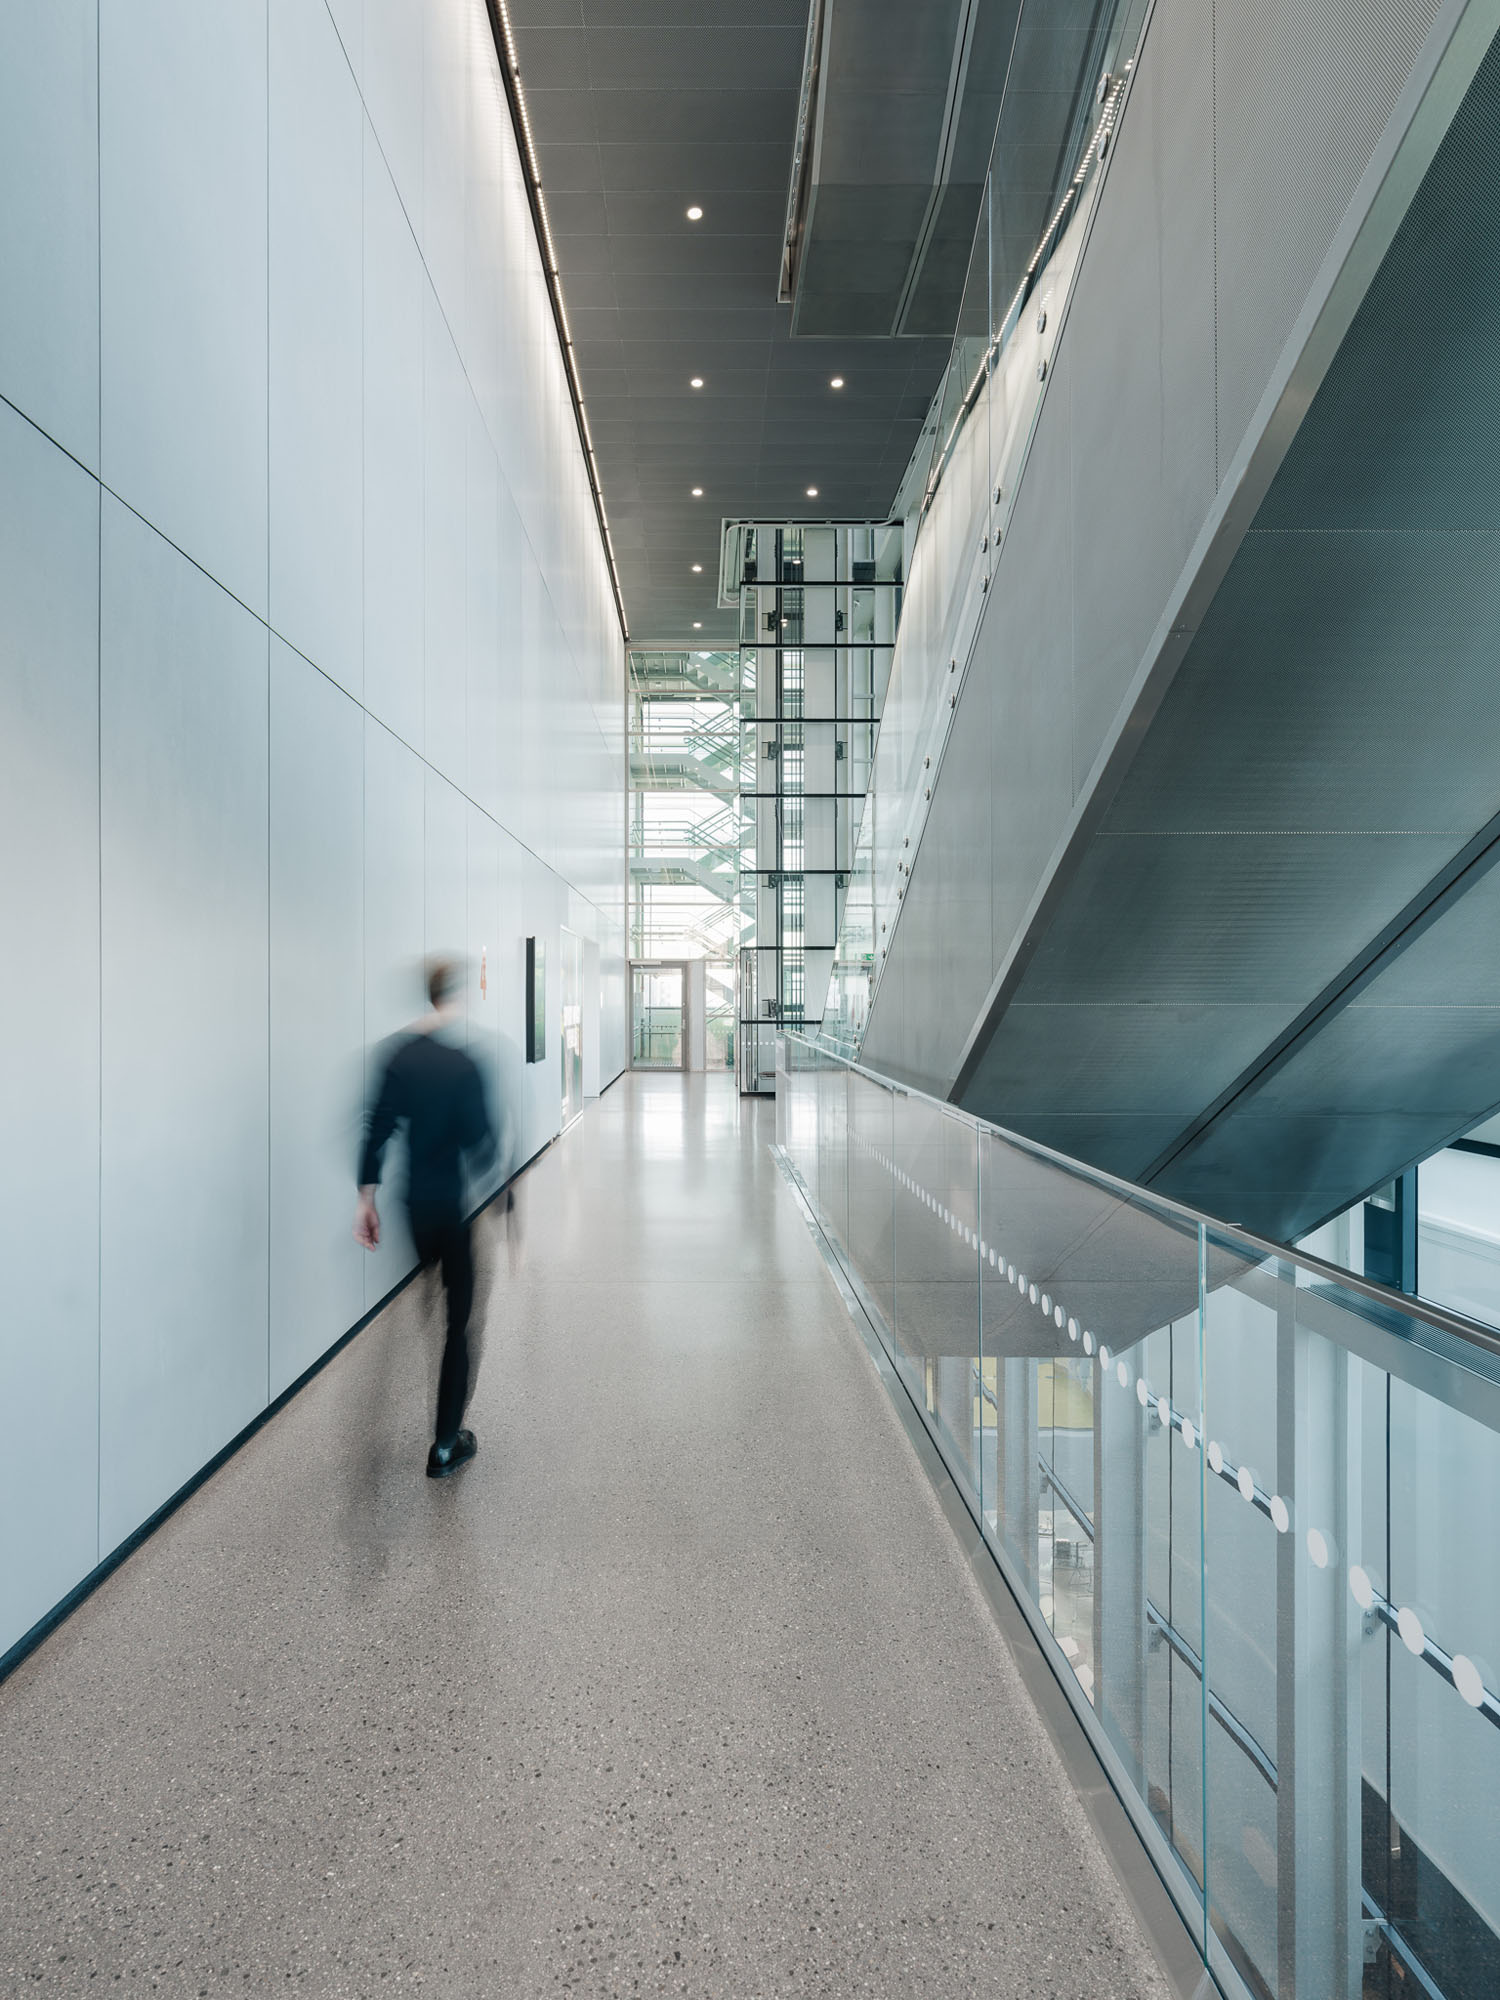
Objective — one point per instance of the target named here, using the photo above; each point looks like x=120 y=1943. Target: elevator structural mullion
x=818 y=605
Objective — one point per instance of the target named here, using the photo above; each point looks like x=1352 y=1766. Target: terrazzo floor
x=682 y=1687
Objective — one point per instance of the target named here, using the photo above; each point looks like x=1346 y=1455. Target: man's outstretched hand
x=367 y=1220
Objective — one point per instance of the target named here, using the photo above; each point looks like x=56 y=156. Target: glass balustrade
x=1246 y=1502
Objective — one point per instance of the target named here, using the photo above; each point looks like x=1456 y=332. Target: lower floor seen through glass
x=1248 y=1509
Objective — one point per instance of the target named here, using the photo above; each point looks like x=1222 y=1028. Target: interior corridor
x=683 y=1686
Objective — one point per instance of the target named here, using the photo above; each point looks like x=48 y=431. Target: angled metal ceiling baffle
x=902 y=108
x=640 y=110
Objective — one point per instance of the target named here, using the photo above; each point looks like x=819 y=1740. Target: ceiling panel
x=641 y=108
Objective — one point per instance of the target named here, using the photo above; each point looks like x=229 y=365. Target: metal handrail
x=1472 y=1333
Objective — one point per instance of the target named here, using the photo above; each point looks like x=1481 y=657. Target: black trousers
x=443 y=1240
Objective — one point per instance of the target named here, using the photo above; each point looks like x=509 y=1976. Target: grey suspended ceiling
x=641 y=108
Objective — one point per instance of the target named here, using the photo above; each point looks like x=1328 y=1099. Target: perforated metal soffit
x=641 y=109
x=1321 y=777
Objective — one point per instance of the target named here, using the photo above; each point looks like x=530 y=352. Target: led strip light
x=510 y=69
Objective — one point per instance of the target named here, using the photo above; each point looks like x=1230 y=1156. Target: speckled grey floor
x=682 y=1687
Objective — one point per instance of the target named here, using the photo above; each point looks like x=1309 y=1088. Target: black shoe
x=445 y=1459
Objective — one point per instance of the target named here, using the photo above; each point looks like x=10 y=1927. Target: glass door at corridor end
x=658 y=996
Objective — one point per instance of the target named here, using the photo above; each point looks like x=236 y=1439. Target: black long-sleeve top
x=437 y=1092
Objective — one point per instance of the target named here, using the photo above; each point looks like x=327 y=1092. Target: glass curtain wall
x=1433 y=1231
x=819 y=607
x=684 y=823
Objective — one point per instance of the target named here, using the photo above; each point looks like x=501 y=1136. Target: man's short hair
x=442 y=979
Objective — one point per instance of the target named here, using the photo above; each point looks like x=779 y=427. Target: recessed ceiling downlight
x=695 y=213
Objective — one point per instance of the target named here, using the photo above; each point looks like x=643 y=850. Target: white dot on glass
x=1010 y=1271
x=1122 y=1374
x=1164 y=1412
x=1189 y=1434
x=1361 y=1586
x=1072 y=1329
x=1468 y=1680
x=1031 y=1293
x=1142 y=1393
x=1057 y=1315
x=1245 y=1480
x=1280 y=1514
x=1409 y=1625
x=1318 y=1551
x=1047 y=1303
x=1215 y=1457
x=1088 y=1343
x=1103 y=1355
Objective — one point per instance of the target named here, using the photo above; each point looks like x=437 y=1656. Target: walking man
x=433 y=1088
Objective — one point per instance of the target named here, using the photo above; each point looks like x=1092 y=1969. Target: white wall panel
x=509 y=681
x=482 y=919
x=395 y=895
x=316 y=342
x=182 y=254
x=445 y=433
x=614 y=1001
x=446 y=846
x=317 y=1011
x=482 y=705
x=49 y=219
x=183 y=1226
x=445 y=106
x=349 y=21
x=391 y=78
x=49 y=1021
x=509 y=973
x=488 y=129
x=309 y=343
x=394 y=288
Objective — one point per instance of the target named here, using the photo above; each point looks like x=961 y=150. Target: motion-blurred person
x=436 y=1091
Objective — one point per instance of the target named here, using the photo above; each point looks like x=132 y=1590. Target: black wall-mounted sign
x=536 y=1000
